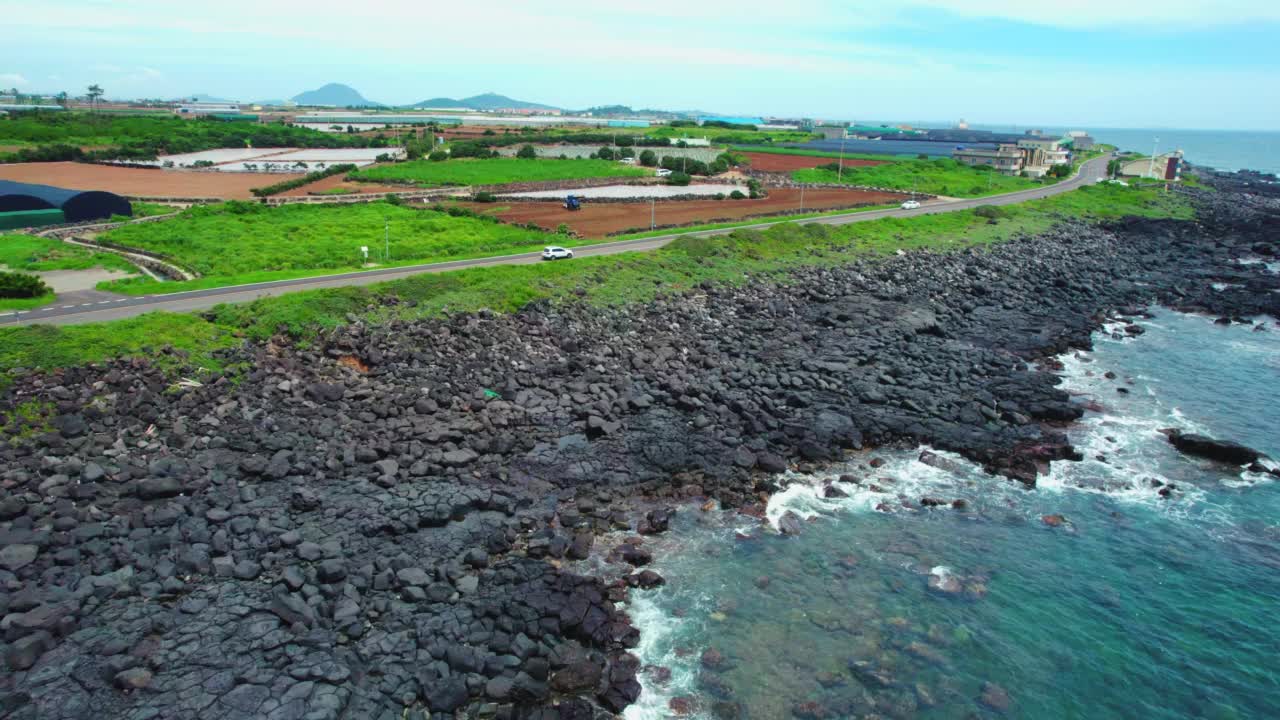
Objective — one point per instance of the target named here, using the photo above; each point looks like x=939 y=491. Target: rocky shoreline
x=374 y=526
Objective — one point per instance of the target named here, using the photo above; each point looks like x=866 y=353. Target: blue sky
x=1089 y=63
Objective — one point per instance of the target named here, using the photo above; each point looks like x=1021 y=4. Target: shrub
x=528 y=152
x=922 y=156
x=604 y=153
x=737 y=195
x=286 y=185
x=563 y=229
x=22 y=285
x=484 y=197
x=988 y=211
x=678 y=178
x=648 y=158
x=438 y=156
x=305 y=180
x=490 y=132
x=394 y=199
x=753 y=189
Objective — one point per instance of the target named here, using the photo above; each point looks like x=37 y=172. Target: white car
x=555 y=252
x=662 y=172
x=910 y=205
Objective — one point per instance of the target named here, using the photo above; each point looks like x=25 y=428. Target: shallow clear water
x=1137 y=606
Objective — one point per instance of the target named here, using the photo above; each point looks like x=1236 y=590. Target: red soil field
x=771 y=162
x=137 y=181
x=600 y=219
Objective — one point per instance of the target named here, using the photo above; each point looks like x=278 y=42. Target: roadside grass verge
x=238 y=243
x=20 y=304
x=496 y=171
x=51 y=346
x=737 y=258
x=747 y=223
x=942 y=176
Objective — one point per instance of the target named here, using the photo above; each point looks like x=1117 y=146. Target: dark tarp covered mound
x=77 y=205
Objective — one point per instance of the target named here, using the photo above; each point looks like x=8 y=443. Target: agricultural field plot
x=141 y=181
x=272 y=160
x=236 y=243
x=496 y=171
x=628 y=191
x=597 y=221
x=217 y=157
x=339 y=185
x=944 y=177
x=358 y=156
x=773 y=162
x=584 y=151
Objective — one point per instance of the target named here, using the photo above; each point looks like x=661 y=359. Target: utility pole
x=386 y=239
x=802 y=198
x=653 y=211
x=840 y=170
x=1151 y=171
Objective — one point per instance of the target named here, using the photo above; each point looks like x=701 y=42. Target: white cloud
x=13 y=80
x=1146 y=14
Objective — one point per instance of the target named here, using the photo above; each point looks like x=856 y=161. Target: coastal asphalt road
x=117 y=308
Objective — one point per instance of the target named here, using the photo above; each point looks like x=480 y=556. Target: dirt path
x=600 y=219
x=148 y=183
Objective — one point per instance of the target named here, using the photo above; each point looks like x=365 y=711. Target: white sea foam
x=659 y=631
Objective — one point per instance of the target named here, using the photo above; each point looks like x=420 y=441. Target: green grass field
x=936 y=177
x=236 y=243
x=36 y=254
x=741 y=257
x=802 y=152
x=496 y=171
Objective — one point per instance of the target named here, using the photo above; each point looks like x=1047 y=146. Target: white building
x=207 y=108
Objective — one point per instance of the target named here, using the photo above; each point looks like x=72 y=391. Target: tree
x=95 y=92
x=62 y=99
x=678 y=178
x=605 y=153
x=22 y=285
x=527 y=152
x=648 y=158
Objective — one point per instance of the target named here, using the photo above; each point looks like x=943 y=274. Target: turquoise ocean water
x=1135 y=606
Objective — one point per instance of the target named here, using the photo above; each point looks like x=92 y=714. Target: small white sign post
x=364 y=250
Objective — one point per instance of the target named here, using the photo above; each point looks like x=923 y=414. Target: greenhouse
x=76 y=205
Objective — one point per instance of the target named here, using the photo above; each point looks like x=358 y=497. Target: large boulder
x=1206 y=447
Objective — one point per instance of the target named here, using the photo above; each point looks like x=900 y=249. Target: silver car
x=555 y=252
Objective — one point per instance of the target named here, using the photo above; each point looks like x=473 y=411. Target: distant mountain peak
x=333 y=94
x=485 y=101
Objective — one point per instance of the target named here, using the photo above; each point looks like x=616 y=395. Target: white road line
x=68 y=307
x=120 y=300
x=104 y=302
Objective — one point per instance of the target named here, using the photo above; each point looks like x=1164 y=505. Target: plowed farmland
x=772 y=162
x=136 y=181
x=601 y=219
